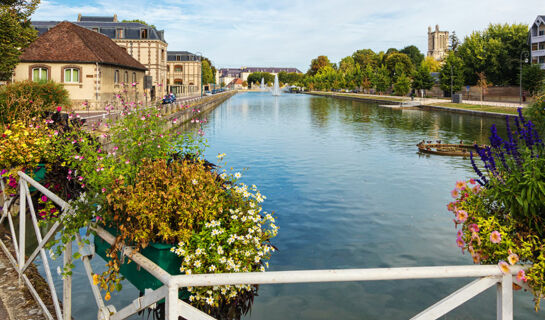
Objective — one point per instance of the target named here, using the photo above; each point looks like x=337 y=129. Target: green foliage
x=366 y=57
x=317 y=64
x=536 y=113
x=255 y=77
x=423 y=79
x=451 y=73
x=290 y=78
x=381 y=79
x=27 y=99
x=432 y=64
x=414 y=54
x=207 y=73
x=454 y=42
x=494 y=51
x=399 y=63
x=533 y=79
x=17 y=33
x=140 y=21
x=402 y=86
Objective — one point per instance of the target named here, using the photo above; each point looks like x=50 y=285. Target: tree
x=403 y=85
x=398 y=63
x=381 y=79
x=454 y=75
x=483 y=83
x=423 y=79
x=533 y=79
x=255 y=77
x=366 y=57
x=432 y=64
x=347 y=65
x=317 y=64
x=454 y=42
x=414 y=54
x=140 y=21
x=245 y=84
x=207 y=75
x=16 y=33
x=212 y=68
x=494 y=51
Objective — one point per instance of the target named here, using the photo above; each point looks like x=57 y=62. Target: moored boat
x=446 y=149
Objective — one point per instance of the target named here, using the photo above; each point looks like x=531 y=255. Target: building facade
x=183 y=73
x=90 y=66
x=537 y=41
x=437 y=43
x=227 y=75
x=144 y=43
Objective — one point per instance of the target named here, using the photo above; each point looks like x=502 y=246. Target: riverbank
x=428 y=104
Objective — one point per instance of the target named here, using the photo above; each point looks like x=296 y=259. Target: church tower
x=437 y=43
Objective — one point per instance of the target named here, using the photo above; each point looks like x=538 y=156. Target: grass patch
x=478 y=107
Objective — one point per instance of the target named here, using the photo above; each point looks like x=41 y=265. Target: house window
x=71 y=75
x=39 y=74
x=116 y=76
x=178 y=58
x=542 y=46
x=542 y=59
x=126 y=77
x=534 y=46
x=178 y=68
x=168 y=68
x=162 y=54
x=96 y=29
x=143 y=33
x=134 y=77
x=178 y=81
x=119 y=33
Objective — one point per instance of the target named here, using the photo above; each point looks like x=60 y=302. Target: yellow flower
x=107 y=296
x=95 y=279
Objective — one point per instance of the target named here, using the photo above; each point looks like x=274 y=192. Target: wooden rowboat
x=446 y=149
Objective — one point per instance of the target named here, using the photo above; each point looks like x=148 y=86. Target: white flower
x=197 y=263
x=198 y=252
x=223 y=175
x=262 y=269
x=209 y=300
x=238 y=175
x=191 y=298
x=212 y=268
x=194 y=181
x=220 y=250
x=59 y=271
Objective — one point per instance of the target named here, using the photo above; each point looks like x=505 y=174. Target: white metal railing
x=486 y=275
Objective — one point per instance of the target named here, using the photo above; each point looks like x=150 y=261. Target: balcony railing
x=486 y=276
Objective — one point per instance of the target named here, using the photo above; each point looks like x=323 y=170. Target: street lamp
x=200 y=54
x=525 y=54
x=451 y=82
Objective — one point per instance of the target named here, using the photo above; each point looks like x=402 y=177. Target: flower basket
x=159 y=253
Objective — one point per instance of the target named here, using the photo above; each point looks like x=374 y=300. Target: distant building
x=183 y=73
x=90 y=66
x=144 y=43
x=229 y=74
x=537 y=41
x=437 y=43
x=235 y=84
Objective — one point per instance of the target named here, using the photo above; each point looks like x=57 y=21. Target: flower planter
x=159 y=253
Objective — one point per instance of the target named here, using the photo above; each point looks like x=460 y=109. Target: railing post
x=504 y=291
x=67 y=284
x=171 y=302
x=22 y=225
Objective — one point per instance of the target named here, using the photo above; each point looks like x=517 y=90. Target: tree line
x=483 y=58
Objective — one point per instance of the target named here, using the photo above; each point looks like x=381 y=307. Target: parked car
x=169 y=98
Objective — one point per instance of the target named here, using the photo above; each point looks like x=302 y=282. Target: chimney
x=79 y=16
x=115 y=17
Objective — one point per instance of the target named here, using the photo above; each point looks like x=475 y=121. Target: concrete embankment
x=430 y=107
x=205 y=105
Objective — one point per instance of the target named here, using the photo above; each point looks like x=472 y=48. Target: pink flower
x=80 y=178
x=461 y=215
x=127 y=162
x=43 y=198
x=69 y=177
x=473 y=227
x=460 y=242
x=461 y=185
x=513 y=258
x=521 y=276
x=103 y=190
x=472 y=181
x=59 y=109
x=495 y=237
x=504 y=267
x=454 y=193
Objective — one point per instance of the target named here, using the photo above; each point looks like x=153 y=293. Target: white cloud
x=291 y=33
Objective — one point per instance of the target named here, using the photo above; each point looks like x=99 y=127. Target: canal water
x=349 y=191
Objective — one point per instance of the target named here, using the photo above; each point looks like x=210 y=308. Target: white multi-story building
x=537 y=41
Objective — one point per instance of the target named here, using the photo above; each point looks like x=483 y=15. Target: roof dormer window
x=143 y=33
x=119 y=33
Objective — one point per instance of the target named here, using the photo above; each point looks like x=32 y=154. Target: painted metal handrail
x=486 y=275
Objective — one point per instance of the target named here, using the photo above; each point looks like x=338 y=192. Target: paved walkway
x=429 y=101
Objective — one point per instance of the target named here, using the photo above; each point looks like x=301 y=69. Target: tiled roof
x=132 y=29
x=97 y=19
x=67 y=42
x=184 y=56
x=237 y=71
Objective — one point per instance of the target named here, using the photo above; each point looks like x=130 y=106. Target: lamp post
x=451 y=82
x=200 y=55
x=525 y=54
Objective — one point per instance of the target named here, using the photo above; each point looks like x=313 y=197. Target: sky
x=282 y=33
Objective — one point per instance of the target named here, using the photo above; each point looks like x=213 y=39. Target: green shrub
x=27 y=99
x=536 y=113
